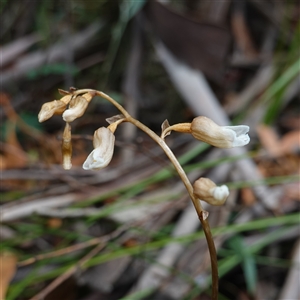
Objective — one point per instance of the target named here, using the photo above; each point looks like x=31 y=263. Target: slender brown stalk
x=201 y=213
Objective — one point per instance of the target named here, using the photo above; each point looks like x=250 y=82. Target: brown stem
x=197 y=204
x=181 y=127
x=213 y=258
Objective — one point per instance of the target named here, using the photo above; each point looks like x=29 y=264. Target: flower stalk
x=201 y=128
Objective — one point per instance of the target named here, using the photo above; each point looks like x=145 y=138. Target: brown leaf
x=7 y=270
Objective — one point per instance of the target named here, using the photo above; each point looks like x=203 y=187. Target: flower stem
x=197 y=204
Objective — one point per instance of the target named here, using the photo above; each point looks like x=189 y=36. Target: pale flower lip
x=238 y=134
x=95 y=160
x=220 y=194
x=206 y=190
x=100 y=157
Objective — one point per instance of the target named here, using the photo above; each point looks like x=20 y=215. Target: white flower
x=206 y=190
x=204 y=129
x=101 y=156
x=77 y=107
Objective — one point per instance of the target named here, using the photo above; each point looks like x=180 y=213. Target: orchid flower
x=100 y=157
x=204 y=129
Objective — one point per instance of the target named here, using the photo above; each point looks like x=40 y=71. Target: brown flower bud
x=206 y=190
x=67 y=147
x=50 y=108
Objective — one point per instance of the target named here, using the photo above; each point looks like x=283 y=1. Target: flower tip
x=96 y=160
x=55 y=107
x=46 y=112
x=67 y=165
x=241 y=141
x=68 y=115
x=220 y=193
x=42 y=116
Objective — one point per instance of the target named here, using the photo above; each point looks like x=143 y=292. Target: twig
x=54 y=284
x=81 y=264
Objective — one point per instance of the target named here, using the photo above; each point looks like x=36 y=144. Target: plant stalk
x=196 y=202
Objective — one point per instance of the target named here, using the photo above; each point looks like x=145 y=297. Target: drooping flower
x=206 y=190
x=77 y=107
x=204 y=129
x=100 y=157
x=55 y=107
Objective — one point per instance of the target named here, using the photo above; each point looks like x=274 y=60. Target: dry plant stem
x=201 y=213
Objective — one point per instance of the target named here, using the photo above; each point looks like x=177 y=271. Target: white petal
x=239 y=129
x=95 y=161
x=235 y=137
x=228 y=134
x=241 y=141
x=220 y=193
x=70 y=114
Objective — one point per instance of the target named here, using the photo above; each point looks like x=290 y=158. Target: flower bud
x=67 y=147
x=76 y=109
x=101 y=156
x=50 y=108
x=206 y=190
x=55 y=107
x=204 y=129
